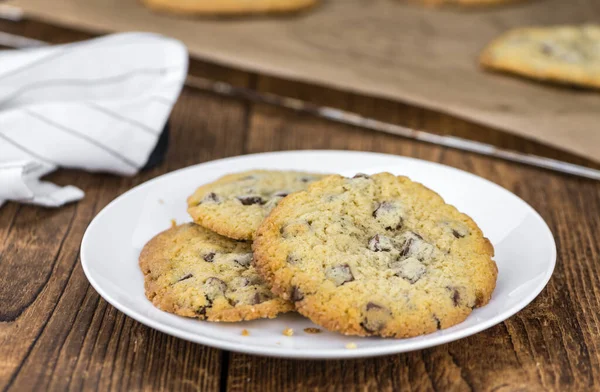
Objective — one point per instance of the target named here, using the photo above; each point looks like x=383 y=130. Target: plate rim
x=335 y=353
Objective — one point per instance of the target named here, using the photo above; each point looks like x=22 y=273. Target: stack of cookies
x=375 y=255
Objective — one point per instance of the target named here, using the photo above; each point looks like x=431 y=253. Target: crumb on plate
x=312 y=330
x=351 y=346
x=245 y=332
x=288 y=332
x=173 y=223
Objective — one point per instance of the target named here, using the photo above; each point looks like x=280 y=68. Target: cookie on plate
x=193 y=272
x=564 y=54
x=236 y=204
x=227 y=7
x=375 y=255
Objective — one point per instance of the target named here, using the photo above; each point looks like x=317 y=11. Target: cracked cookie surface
x=236 y=204
x=375 y=255
x=193 y=272
x=564 y=54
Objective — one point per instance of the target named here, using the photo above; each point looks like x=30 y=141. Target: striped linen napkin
x=100 y=105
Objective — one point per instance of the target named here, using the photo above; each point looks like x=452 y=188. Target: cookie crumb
x=161 y=201
x=288 y=332
x=173 y=223
x=312 y=330
x=351 y=346
x=245 y=332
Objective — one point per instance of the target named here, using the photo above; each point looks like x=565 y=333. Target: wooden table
x=57 y=333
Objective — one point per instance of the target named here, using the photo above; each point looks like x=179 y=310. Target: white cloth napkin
x=99 y=105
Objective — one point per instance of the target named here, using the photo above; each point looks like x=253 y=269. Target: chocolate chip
x=209 y=257
x=389 y=214
x=214 y=287
x=260 y=298
x=307 y=179
x=415 y=246
x=382 y=207
x=457 y=234
x=339 y=274
x=232 y=302
x=372 y=305
x=250 y=200
x=376 y=317
x=244 y=260
x=201 y=311
x=281 y=194
x=184 y=277
x=410 y=269
x=380 y=243
x=292 y=259
x=455 y=295
x=211 y=198
x=361 y=175
x=247 y=178
x=296 y=295
x=460 y=230
x=406 y=247
x=438 y=323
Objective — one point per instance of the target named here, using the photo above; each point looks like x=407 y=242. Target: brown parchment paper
x=385 y=48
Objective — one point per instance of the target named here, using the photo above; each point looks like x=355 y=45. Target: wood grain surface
x=56 y=333
x=395 y=49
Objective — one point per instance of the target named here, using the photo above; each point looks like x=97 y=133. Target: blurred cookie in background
x=562 y=54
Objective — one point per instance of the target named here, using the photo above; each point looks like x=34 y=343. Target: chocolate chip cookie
x=193 y=272
x=375 y=255
x=236 y=204
x=565 y=54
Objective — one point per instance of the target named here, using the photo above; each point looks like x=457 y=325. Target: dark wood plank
x=551 y=345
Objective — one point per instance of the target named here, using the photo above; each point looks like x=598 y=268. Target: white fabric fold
x=99 y=105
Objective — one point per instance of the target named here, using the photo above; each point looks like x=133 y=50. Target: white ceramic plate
x=525 y=252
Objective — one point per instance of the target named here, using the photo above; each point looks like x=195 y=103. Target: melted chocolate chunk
x=339 y=274
x=380 y=243
x=214 y=287
x=406 y=247
x=244 y=260
x=296 y=295
x=184 y=277
x=211 y=198
x=410 y=269
x=389 y=214
x=209 y=257
x=455 y=295
x=376 y=317
x=361 y=175
x=292 y=259
x=457 y=234
x=250 y=200
x=259 y=298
